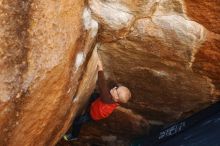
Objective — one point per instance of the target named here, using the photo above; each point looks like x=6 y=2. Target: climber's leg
x=79 y=121
x=76 y=127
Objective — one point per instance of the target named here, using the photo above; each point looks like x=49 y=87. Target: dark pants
x=82 y=119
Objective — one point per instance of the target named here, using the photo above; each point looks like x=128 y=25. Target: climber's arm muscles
x=104 y=90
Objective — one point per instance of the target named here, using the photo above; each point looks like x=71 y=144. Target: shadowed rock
x=166 y=51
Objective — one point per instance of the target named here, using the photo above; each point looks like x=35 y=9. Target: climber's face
x=114 y=93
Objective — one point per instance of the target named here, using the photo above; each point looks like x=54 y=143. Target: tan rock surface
x=164 y=51
x=207 y=13
x=155 y=55
x=44 y=48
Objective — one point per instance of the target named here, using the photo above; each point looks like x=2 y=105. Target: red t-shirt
x=100 y=110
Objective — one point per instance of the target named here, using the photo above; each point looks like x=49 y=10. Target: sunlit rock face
x=207 y=59
x=44 y=47
x=166 y=52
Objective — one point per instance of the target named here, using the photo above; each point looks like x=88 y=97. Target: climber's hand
x=99 y=65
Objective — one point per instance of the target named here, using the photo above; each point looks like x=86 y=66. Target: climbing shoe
x=69 y=137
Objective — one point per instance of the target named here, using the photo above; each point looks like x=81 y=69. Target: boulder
x=166 y=52
x=45 y=47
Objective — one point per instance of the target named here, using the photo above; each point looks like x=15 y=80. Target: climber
x=100 y=106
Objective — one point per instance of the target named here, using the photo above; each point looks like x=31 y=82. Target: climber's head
x=120 y=94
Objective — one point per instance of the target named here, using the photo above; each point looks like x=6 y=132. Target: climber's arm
x=104 y=90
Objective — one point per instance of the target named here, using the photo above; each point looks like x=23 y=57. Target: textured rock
x=205 y=12
x=206 y=63
x=157 y=53
x=167 y=53
x=44 y=49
